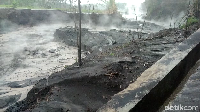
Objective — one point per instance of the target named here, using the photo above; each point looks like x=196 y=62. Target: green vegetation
x=157 y=9
x=66 y=66
x=190 y=21
x=76 y=59
x=110 y=5
x=89 y=11
x=14 y=4
x=112 y=54
x=6 y=6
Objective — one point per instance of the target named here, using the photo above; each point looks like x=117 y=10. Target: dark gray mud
x=105 y=71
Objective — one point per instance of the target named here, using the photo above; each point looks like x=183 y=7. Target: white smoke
x=132 y=9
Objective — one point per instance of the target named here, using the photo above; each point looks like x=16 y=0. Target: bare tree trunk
x=186 y=25
x=79 y=46
x=198 y=11
x=198 y=5
x=70 y=5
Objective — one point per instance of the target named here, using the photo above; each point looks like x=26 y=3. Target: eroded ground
x=104 y=72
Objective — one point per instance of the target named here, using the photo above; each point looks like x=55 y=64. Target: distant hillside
x=165 y=9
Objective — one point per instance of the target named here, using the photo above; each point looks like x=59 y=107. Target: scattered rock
x=8 y=100
x=52 y=50
x=14 y=85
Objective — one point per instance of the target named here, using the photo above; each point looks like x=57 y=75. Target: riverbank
x=103 y=74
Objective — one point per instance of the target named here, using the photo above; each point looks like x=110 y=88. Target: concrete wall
x=32 y=17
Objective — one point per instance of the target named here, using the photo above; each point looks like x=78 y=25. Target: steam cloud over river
x=27 y=55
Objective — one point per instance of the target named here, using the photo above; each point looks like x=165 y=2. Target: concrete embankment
x=32 y=17
x=186 y=96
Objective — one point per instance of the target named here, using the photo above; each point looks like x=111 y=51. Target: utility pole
x=198 y=11
x=79 y=40
x=198 y=5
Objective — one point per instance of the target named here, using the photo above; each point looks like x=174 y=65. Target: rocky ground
x=109 y=67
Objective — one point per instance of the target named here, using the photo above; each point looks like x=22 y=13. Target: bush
x=162 y=9
x=190 y=21
x=14 y=4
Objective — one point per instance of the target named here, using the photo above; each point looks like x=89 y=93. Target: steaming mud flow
x=27 y=55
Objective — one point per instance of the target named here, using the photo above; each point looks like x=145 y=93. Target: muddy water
x=27 y=55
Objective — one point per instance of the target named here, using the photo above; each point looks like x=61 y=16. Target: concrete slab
x=158 y=82
x=188 y=98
